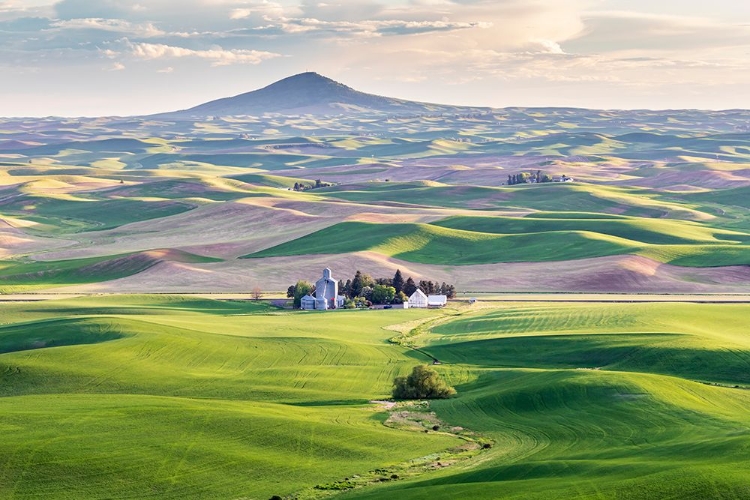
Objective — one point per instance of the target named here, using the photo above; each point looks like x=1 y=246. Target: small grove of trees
x=422 y=383
x=298 y=291
x=529 y=178
x=298 y=186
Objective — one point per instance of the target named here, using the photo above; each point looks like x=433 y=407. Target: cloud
x=367 y=27
x=147 y=30
x=240 y=13
x=117 y=67
x=627 y=30
x=218 y=56
x=167 y=70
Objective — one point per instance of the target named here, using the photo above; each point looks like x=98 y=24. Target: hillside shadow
x=637 y=352
x=56 y=333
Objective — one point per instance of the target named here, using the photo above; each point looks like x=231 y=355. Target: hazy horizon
x=122 y=58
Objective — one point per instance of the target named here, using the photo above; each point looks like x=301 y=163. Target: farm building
x=418 y=299
x=326 y=294
x=307 y=303
x=437 y=300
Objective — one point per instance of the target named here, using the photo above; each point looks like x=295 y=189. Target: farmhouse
x=418 y=299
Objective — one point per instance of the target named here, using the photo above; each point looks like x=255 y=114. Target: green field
x=474 y=240
x=180 y=397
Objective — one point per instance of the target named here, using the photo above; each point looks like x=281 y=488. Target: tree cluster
x=394 y=290
x=529 y=178
x=422 y=383
x=298 y=186
x=299 y=290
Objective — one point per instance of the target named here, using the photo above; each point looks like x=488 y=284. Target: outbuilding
x=437 y=300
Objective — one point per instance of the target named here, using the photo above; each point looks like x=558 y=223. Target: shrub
x=423 y=383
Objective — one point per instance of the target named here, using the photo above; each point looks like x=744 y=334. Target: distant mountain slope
x=310 y=93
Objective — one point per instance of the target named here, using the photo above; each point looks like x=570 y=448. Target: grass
x=68 y=216
x=120 y=402
x=90 y=270
x=642 y=425
x=180 y=397
x=493 y=240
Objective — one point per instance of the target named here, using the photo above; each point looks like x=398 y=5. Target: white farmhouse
x=418 y=299
x=437 y=300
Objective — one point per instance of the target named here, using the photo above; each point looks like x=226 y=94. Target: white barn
x=437 y=300
x=418 y=299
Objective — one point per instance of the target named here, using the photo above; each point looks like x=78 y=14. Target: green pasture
x=70 y=215
x=109 y=398
x=506 y=241
x=18 y=275
x=182 y=397
x=595 y=401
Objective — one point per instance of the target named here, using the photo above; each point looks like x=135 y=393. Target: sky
x=129 y=57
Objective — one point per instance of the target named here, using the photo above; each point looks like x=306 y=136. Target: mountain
x=310 y=93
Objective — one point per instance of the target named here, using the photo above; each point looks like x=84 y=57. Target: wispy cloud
x=218 y=56
x=145 y=30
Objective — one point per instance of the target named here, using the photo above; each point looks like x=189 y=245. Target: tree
x=400 y=298
x=398 y=281
x=257 y=293
x=423 y=383
x=428 y=287
x=383 y=294
x=290 y=291
x=301 y=289
x=360 y=282
x=409 y=287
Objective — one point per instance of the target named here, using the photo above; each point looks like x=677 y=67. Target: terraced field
x=179 y=397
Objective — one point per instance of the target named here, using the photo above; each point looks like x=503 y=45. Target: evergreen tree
x=409 y=287
x=398 y=281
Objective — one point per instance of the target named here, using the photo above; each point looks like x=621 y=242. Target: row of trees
x=529 y=178
x=363 y=290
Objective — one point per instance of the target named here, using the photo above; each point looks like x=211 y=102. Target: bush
x=422 y=383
